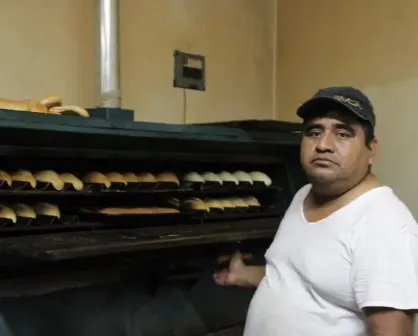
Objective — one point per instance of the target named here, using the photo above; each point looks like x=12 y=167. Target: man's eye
x=343 y=134
x=313 y=133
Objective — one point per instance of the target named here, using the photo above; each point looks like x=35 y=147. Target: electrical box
x=189 y=71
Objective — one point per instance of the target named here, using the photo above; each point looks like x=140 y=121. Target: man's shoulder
x=386 y=211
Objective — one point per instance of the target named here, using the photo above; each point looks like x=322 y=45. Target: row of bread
x=222 y=204
x=59 y=181
x=49 y=105
x=16 y=211
x=225 y=177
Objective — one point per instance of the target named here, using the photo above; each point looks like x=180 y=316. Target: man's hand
x=389 y=322
x=239 y=274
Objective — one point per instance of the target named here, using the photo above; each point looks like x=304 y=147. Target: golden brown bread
x=35 y=106
x=24 y=176
x=51 y=101
x=96 y=177
x=167 y=177
x=166 y=211
x=17 y=105
x=47 y=209
x=49 y=176
x=130 y=177
x=213 y=204
x=23 y=210
x=5 y=176
x=146 y=177
x=196 y=204
x=70 y=110
x=72 y=179
x=114 y=177
x=7 y=213
x=126 y=211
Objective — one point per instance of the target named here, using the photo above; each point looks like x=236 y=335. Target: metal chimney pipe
x=107 y=35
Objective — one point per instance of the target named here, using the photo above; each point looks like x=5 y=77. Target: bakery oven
x=113 y=227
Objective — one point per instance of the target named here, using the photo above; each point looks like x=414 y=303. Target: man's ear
x=373 y=147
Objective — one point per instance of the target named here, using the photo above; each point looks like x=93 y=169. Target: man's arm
x=250 y=276
x=389 y=322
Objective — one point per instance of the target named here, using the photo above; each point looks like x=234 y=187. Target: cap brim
x=317 y=105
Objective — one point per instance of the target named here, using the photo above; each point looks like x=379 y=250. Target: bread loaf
x=35 y=106
x=126 y=211
x=169 y=177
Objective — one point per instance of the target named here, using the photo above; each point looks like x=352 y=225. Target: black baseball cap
x=350 y=99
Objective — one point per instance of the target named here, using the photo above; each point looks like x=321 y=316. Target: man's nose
x=325 y=143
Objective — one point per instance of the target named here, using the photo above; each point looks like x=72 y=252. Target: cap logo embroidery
x=349 y=101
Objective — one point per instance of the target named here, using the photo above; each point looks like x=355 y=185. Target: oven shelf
x=73 y=245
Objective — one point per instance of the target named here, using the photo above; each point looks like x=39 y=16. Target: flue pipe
x=107 y=35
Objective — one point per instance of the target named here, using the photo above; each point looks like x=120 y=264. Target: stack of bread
x=49 y=105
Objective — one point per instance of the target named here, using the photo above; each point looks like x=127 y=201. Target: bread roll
x=251 y=201
x=243 y=177
x=228 y=177
x=38 y=107
x=5 y=176
x=211 y=177
x=73 y=180
x=226 y=204
x=238 y=202
x=261 y=177
x=51 y=101
x=114 y=177
x=196 y=204
x=47 y=209
x=8 y=213
x=24 y=176
x=130 y=178
x=49 y=176
x=70 y=110
x=17 y=105
x=167 y=177
x=23 y=210
x=97 y=177
x=146 y=177
x=213 y=204
x=193 y=177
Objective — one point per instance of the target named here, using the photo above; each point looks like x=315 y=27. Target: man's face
x=334 y=149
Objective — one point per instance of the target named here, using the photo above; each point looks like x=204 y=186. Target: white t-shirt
x=320 y=275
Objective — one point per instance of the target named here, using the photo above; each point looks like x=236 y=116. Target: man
x=345 y=259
